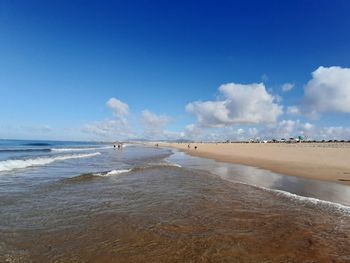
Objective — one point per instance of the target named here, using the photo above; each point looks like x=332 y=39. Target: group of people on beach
x=118 y=146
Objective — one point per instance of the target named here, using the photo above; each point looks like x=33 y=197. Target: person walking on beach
x=195 y=147
x=188 y=146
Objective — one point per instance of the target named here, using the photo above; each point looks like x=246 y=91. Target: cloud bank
x=242 y=111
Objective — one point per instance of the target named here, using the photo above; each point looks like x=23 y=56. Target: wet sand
x=329 y=162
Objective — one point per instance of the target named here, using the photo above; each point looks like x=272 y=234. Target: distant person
x=188 y=146
x=114 y=146
x=195 y=147
x=119 y=146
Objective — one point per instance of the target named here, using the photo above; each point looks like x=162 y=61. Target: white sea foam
x=113 y=172
x=306 y=200
x=312 y=200
x=10 y=165
x=79 y=149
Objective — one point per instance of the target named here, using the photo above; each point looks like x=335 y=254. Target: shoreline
x=326 y=162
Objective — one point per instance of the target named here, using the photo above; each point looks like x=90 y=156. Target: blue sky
x=61 y=62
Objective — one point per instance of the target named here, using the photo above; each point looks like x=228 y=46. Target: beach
x=321 y=161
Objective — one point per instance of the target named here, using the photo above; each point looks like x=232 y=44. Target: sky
x=198 y=70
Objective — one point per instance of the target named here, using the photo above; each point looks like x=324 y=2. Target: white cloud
x=109 y=130
x=277 y=98
x=293 y=110
x=241 y=112
x=290 y=128
x=287 y=129
x=239 y=104
x=335 y=133
x=199 y=133
x=327 y=91
x=154 y=125
x=283 y=129
x=240 y=131
x=307 y=127
x=287 y=87
x=193 y=132
x=112 y=129
x=119 y=108
x=253 y=132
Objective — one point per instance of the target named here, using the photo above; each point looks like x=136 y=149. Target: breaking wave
x=162 y=164
x=113 y=172
x=25 y=150
x=78 y=149
x=88 y=176
x=91 y=176
x=10 y=165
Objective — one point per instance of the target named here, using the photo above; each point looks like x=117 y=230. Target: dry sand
x=323 y=161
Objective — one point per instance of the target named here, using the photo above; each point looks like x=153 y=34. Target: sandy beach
x=322 y=161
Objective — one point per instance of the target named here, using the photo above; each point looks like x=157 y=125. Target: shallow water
x=154 y=211
x=303 y=187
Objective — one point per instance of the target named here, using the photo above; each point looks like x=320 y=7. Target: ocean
x=90 y=202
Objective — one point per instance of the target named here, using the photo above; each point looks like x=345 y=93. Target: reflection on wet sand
x=322 y=190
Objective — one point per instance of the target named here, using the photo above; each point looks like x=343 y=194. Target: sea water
x=89 y=202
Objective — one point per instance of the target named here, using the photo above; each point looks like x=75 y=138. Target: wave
x=80 y=178
x=25 y=150
x=91 y=176
x=10 y=165
x=162 y=164
x=171 y=164
x=96 y=175
x=315 y=202
x=155 y=166
x=113 y=172
x=78 y=149
x=52 y=149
